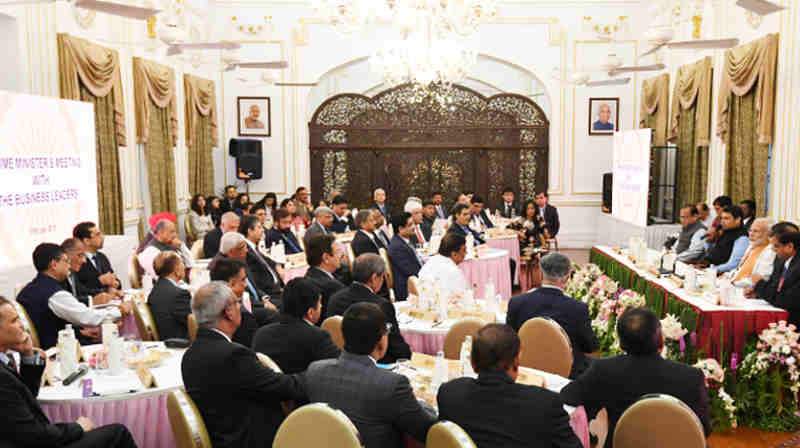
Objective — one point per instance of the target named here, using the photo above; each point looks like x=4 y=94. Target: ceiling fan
x=760 y=7
x=660 y=37
x=115 y=9
x=275 y=65
x=266 y=79
x=583 y=79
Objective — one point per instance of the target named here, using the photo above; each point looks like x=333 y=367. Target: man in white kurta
x=442 y=269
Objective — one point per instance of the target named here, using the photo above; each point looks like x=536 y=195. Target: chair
x=197 y=250
x=545 y=346
x=333 y=325
x=133 y=271
x=412 y=285
x=191 y=324
x=268 y=362
x=191 y=236
x=317 y=425
x=677 y=424
x=448 y=435
x=389 y=272
x=144 y=322
x=467 y=326
x=27 y=323
x=350 y=255
x=186 y=421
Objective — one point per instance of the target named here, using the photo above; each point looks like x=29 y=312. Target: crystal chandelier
x=422 y=61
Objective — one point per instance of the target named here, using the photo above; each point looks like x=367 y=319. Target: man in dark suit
x=479 y=215
x=616 y=383
x=404 y=258
x=438 y=205
x=365 y=241
x=238 y=397
x=549 y=301
x=263 y=271
x=227 y=202
x=342 y=220
x=460 y=226
x=282 y=233
x=369 y=271
x=296 y=341
x=96 y=273
x=229 y=222
x=77 y=259
x=25 y=424
x=783 y=287
x=428 y=218
x=508 y=208
x=483 y=406
x=548 y=213
x=324 y=256
x=380 y=204
x=323 y=220
x=170 y=304
x=380 y=403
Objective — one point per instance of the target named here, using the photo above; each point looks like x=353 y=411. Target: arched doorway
x=412 y=142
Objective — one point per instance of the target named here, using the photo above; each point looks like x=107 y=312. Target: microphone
x=82 y=370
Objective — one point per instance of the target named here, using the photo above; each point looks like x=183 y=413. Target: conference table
x=720 y=328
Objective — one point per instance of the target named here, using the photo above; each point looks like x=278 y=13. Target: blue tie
x=295 y=249
x=252 y=292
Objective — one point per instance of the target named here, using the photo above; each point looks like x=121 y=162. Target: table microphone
x=82 y=370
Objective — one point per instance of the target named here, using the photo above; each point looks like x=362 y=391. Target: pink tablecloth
x=512 y=246
x=479 y=271
x=428 y=343
x=145 y=417
x=294 y=273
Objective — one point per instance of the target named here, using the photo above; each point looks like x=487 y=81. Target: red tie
x=783 y=277
x=420 y=238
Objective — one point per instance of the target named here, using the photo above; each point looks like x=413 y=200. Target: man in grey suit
x=322 y=225
x=379 y=402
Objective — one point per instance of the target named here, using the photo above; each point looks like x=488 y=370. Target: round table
x=492 y=264
x=511 y=244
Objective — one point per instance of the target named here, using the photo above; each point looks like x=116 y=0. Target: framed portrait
x=254 y=116
x=603 y=116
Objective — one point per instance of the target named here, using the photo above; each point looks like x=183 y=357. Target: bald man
x=165 y=238
x=252 y=121
x=603 y=122
x=229 y=222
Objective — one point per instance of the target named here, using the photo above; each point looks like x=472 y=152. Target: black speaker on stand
x=249 y=160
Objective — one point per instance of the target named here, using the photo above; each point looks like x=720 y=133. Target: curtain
x=201 y=132
x=160 y=162
x=90 y=73
x=747 y=157
x=653 y=113
x=693 y=163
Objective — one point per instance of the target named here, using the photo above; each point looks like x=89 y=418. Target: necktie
x=420 y=238
x=439 y=211
x=291 y=244
x=11 y=363
x=783 y=277
x=92 y=260
x=252 y=290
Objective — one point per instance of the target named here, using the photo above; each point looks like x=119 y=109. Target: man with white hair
x=229 y=222
x=322 y=225
x=238 y=397
x=414 y=207
x=760 y=256
x=165 y=237
x=234 y=245
x=379 y=195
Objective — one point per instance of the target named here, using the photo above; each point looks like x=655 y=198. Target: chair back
x=317 y=425
x=333 y=325
x=545 y=346
x=467 y=326
x=27 y=323
x=191 y=236
x=448 y=435
x=186 y=421
x=389 y=271
x=268 y=362
x=144 y=321
x=191 y=324
x=197 y=250
x=350 y=255
x=133 y=271
x=677 y=424
x=412 y=285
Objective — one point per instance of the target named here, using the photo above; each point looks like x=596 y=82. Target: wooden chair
x=659 y=421
x=448 y=435
x=191 y=324
x=350 y=255
x=197 y=250
x=186 y=421
x=317 y=425
x=133 y=271
x=27 y=323
x=467 y=326
x=545 y=346
x=191 y=236
x=333 y=325
x=144 y=322
x=412 y=285
x=266 y=361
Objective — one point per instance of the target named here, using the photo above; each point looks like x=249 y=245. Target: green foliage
x=765 y=402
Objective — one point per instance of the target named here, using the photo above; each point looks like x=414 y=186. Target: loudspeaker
x=608 y=183
x=248 y=155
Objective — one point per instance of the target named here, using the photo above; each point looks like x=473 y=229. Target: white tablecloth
x=615 y=232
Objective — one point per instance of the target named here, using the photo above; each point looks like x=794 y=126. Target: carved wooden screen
x=412 y=144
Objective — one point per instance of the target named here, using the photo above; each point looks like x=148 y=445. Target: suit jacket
x=789 y=296
x=241 y=408
x=444 y=210
x=497 y=412
x=328 y=285
x=258 y=268
x=294 y=343
x=170 y=307
x=315 y=229
x=226 y=205
x=211 y=243
x=358 y=292
x=427 y=227
x=89 y=275
x=484 y=218
x=290 y=243
x=77 y=288
x=405 y=263
x=572 y=315
x=507 y=213
x=616 y=383
x=380 y=403
x=386 y=212
x=362 y=244
x=24 y=422
x=550 y=219
x=455 y=228
x=342 y=226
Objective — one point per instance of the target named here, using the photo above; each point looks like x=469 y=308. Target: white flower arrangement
x=629 y=299
x=581 y=281
x=715 y=379
x=777 y=347
x=671 y=328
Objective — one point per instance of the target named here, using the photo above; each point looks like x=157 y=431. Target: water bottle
x=440 y=373
x=116 y=348
x=466 y=357
x=67 y=351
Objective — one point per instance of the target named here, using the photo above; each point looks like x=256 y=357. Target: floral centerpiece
x=582 y=279
x=628 y=298
x=723 y=409
x=604 y=288
x=677 y=346
x=609 y=308
x=769 y=380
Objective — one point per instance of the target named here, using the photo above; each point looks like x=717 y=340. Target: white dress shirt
x=66 y=306
x=710 y=220
x=444 y=272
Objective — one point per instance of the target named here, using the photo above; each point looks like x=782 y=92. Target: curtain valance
x=654 y=112
x=693 y=87
x=156 y=82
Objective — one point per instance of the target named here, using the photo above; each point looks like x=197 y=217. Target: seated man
x=508 y=208
x=281 y=232
x=369 y=270
x=493 y=409
x=549 y=301
x=296 y=341
x=342 y=221
x=706 y=216
x=414 y=207
x=618 y=382
x=379 y=402
x=460 y=226
x=428 y=218
x=438 y=205
x=165 y=238
x=323 y=220
x=729 y=248
x=783 y=288
x=760 y=283
x=238 y=397
x=442 y=269
x=265 y=273
x=380 y=203
x=170 y=304
x=25 y=422
x=748 y=213
x=50 y=307
x=365 y=241
x=690 y=246
x=324 y=256
x=759 y=258
x=479 y=219
x=97 y=273
x=548 y=213
x=715 y=229
x=380 y=228
x=404 y=258
x=229 y=222
x=77 y=259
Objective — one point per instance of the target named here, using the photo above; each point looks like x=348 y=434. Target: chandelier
x=422 y=61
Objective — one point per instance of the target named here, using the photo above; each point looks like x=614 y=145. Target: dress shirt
x=763 y=266
x=508 y=208
x=220 y=332
x=269 y=268
x=739 y=248
x=709 y=222
x=371 y=236
x=5 y=358
x=419 y=235
x=92 y=259
x=66 y=306
x=383 y=240
x=697 y=246
x=408 y=243
x=445 y=273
